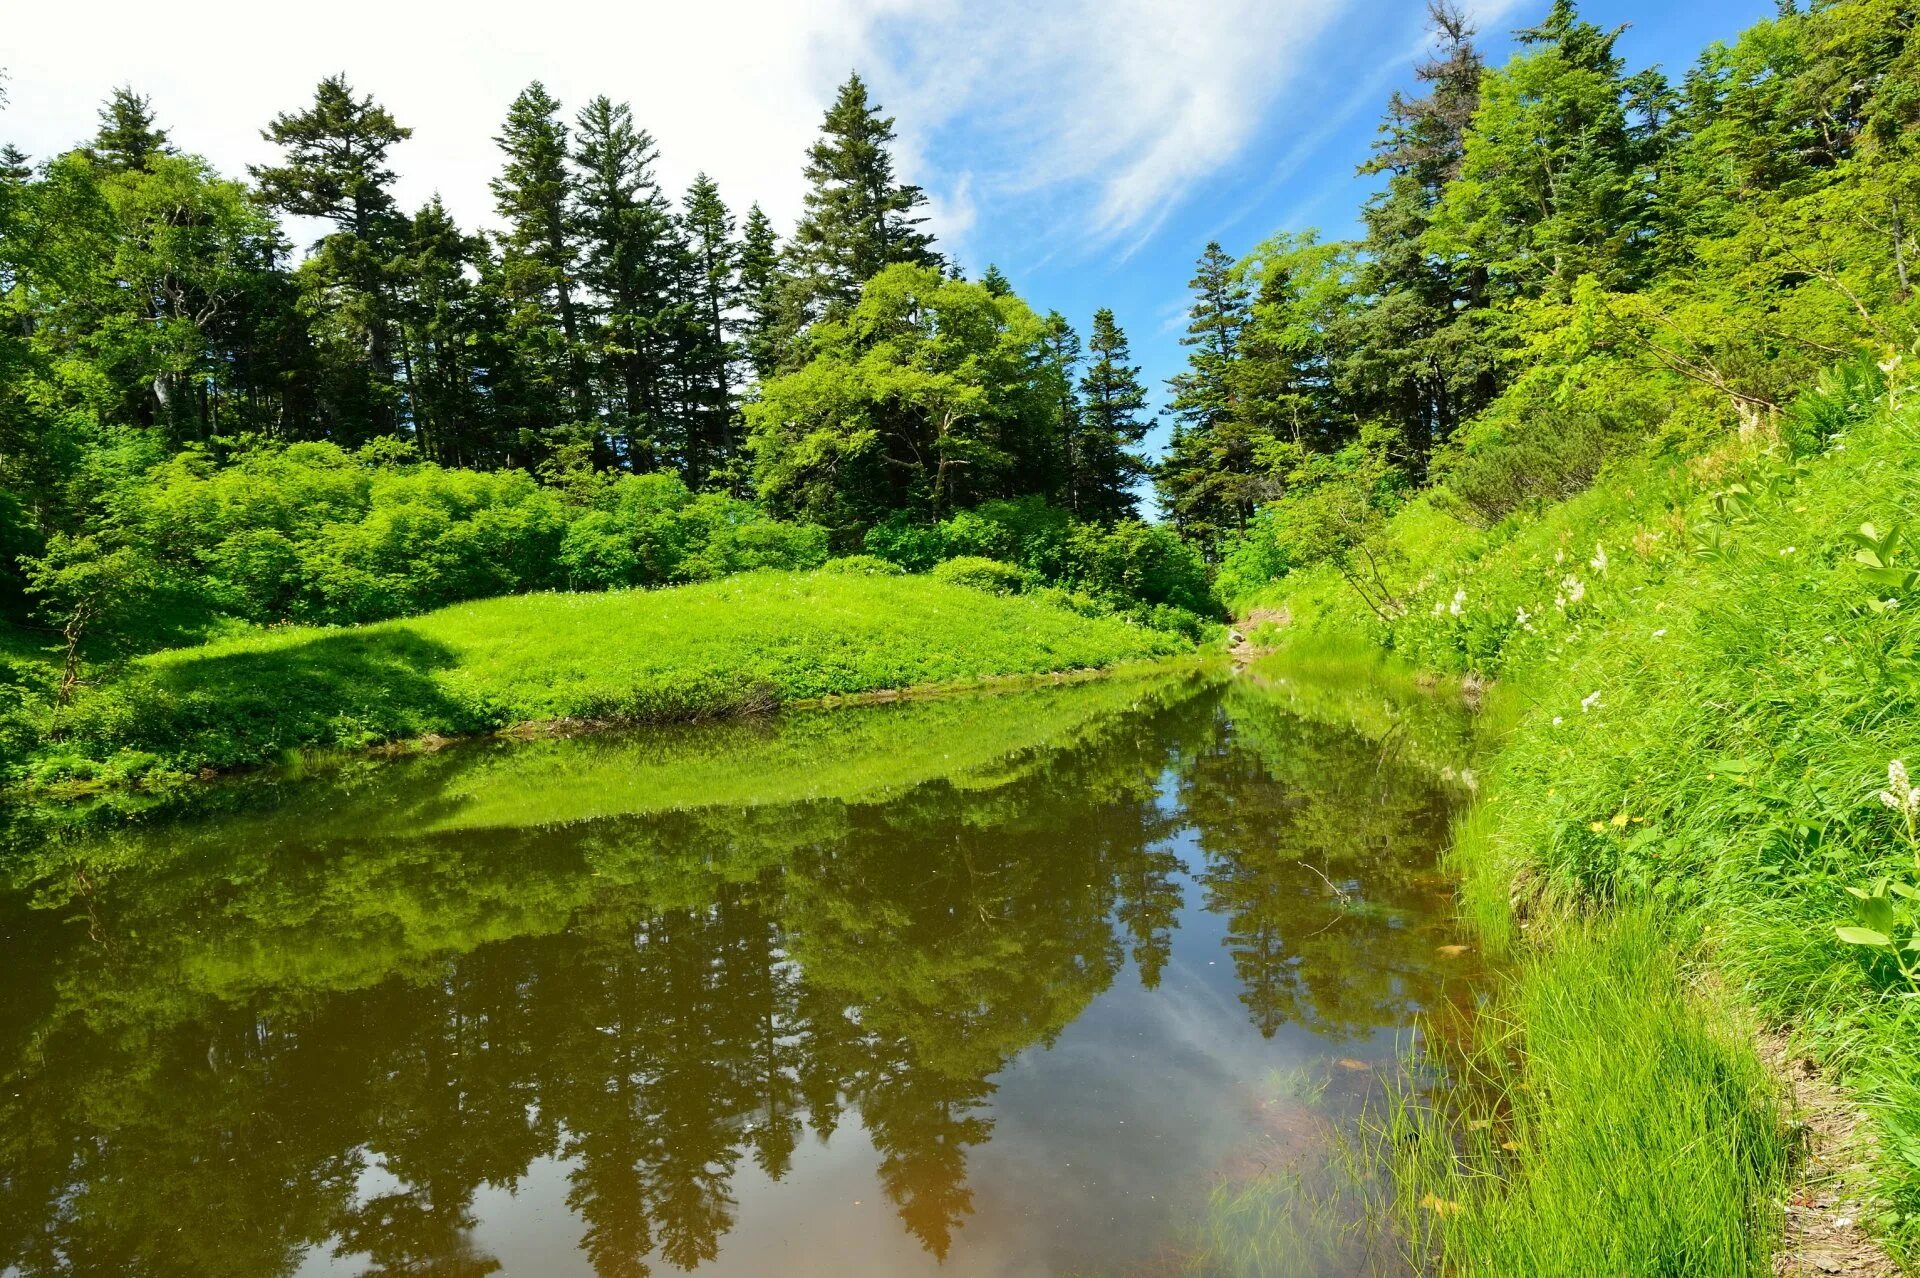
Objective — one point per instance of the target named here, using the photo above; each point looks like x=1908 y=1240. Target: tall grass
x=1613 y=1121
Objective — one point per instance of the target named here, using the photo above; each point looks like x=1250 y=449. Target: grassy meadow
x=748 y=642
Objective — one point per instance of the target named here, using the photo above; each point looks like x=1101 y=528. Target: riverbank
x=746 y=643
x=1711 y=665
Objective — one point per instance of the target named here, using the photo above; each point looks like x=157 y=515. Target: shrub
x=863 y=565
x=989 y=575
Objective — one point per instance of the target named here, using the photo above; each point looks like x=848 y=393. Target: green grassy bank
x=748 y=642
x=1710 y=664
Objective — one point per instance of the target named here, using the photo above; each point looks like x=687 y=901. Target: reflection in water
x=642 y=1005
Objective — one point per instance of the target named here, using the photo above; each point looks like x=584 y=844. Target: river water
x=1032 y=984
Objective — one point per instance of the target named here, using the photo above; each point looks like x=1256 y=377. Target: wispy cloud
x=1105 y=112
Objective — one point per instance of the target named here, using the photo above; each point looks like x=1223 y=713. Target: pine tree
x=858 y=218
x=763 y=286
x=994 y=282
x=1106 y=462
x=541 y=251
x=335 y=168
x=128 y=138
x=708 y=227
x=632 y=262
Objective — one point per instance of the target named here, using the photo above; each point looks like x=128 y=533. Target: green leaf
x=1863 y=936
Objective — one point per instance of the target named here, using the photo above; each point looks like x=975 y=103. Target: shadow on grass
x=354 y=688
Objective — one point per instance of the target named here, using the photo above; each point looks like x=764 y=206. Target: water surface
x=982 y=986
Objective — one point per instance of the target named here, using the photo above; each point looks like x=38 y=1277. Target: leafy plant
x=1886 y=920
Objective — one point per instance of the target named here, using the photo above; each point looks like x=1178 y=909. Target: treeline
x=1567 y=257
x=197 y=421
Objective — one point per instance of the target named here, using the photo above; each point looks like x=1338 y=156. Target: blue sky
x=1295 y=169
x=1090 y=148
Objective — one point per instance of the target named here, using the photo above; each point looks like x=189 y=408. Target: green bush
x=863 y=565
x=976 y=573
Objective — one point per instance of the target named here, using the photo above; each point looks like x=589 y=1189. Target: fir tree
x=541 y=249
x=858 y=217
x=1202 y=480
x=763 y=285
x=335 y=169
x=708 y=227
x=128 y=138
x=1105 y=459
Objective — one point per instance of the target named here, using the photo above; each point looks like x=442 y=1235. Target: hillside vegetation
x=753 y=641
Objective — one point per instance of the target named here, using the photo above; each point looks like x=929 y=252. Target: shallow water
x=1001 y=985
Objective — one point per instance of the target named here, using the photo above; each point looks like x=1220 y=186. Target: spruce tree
x=1203 y=479
x=1106 y=460
x=335 y=169
x=128 y=138
x=541 y=254
x=714 y=256
x=858 y=217
x=1429 y=303
x=631 y=262
x=763 y=286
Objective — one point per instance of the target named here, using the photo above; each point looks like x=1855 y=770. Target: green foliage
x=975 y=573
x=1617 y=1125
x=751 y=641
x=924 y=398
x=865 y=565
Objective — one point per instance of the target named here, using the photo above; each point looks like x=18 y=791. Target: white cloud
x=1102 y=113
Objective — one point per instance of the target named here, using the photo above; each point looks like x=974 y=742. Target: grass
x=748 y=642
x=1608 y=1127
x=1707 y=687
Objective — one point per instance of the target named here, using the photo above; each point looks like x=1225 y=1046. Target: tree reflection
x=297 y=1036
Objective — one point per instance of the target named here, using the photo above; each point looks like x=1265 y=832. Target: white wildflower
x=1900 y=794
x=1557 y=721
x=1589 y=701
x=1661 y=633
x=1786 y=550
x=1459 y=602
x=1599 y=561
x=1574 y=589
x=1559 y=556
x=1439 y=607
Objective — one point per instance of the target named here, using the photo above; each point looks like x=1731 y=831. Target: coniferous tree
x=992 y=280
x=541 y=252
x=335 y=169
x=1207 y=480
x=1065 y=353
x=128 y=138
x=1106 y=462
x=714 y=257
x=632 y=263
x=763 y=287
x=1427 y=303
x=444 y=340
x=859 y=218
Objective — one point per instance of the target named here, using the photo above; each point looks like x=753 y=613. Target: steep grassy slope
x=1714 y=662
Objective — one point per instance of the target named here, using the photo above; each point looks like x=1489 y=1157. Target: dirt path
x=1824 y=1234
